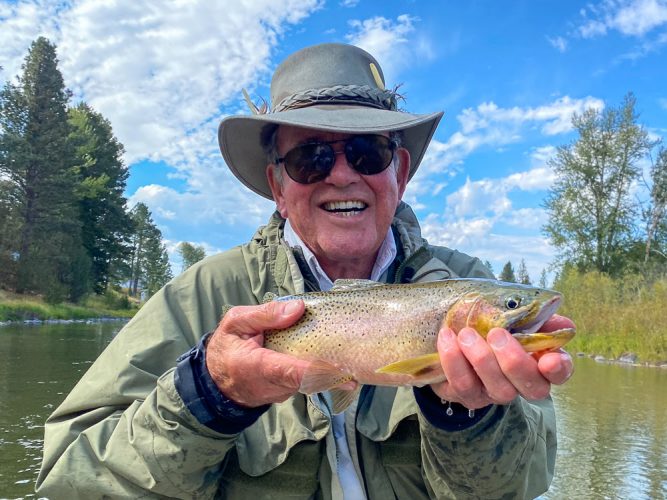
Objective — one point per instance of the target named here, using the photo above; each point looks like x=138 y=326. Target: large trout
x=382 y=334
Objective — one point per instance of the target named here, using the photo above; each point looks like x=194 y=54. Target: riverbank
x=617 y=319
x=31 y=309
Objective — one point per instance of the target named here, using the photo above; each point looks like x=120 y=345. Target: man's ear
x=276 y=189
x=402 y=170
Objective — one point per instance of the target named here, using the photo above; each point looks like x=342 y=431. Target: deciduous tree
x=590 y=206
x=191 y=254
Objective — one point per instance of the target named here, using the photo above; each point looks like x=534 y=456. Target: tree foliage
x=190 y=254
x=522 y=275
x=149 y=262
x=101 y=177
x=35 y=162
x=507 y=274
x=65 y=229
x=656 y=214
x=590 y=206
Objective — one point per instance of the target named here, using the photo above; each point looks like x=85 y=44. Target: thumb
x=253 y=320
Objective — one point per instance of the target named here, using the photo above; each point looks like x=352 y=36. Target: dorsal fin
x=353 y=284
x=268 y=297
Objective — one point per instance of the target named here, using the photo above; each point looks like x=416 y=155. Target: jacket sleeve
x=124 y=430
x=510 y=453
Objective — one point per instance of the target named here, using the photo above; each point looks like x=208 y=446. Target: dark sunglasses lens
x=310 y=163
x=369 y=154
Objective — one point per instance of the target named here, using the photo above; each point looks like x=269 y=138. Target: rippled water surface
x=612 y=419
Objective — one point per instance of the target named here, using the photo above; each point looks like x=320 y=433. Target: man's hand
x=242 y=369
x=494 y=371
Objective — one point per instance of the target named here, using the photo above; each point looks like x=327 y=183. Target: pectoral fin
x=321 y=376
x=413 y=366
x=343 y=399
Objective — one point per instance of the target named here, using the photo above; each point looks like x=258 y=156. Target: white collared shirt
x=385 y=257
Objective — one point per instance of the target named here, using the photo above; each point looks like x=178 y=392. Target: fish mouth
x=344 y=207
x=531 y=323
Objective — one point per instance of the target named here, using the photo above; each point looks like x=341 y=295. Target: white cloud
x=490 y=125
x=629 y=17
x=663 y=103
x=558 y=42
x=161 y=76
x=154 y=71
x=390 y=43
x=349 y=3
x=556 y=116
x=475 y=236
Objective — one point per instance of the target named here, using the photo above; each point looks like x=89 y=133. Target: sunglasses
x=312 y=162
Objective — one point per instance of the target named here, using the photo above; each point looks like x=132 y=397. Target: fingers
x=556 y=322
x=518 y=367
x=463 y=359
x=242 y=369
x=480 y=372
x=252 y=320
x=556 y=367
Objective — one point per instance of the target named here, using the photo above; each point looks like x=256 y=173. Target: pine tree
x=149 y=262
x=522 y=274
x=507 y=274
x=543 y=279
x=489 y=266
x=101 y=178
x=35 y=161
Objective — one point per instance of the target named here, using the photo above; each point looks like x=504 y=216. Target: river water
x=612 y=418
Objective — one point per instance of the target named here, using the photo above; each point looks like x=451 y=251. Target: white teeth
x=344 y=207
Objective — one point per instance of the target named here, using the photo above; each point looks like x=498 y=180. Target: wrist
x=446 y=415
x=204 y=399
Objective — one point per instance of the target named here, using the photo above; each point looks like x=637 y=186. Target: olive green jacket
x=124 y=431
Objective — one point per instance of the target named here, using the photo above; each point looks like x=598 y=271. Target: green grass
x=615 y=317
x=15 y=307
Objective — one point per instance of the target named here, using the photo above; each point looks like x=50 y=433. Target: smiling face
x=344 y=218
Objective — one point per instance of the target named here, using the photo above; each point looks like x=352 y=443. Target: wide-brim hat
x=332 y=87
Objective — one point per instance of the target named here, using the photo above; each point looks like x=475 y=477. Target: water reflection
x=38 y=366
x=613 y=433
x=612 y=419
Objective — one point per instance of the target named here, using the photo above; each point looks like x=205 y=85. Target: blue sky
x=508 y=74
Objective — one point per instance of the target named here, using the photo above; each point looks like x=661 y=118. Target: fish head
x=489 y=304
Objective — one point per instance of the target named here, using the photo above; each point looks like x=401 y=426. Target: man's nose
x=342 y=173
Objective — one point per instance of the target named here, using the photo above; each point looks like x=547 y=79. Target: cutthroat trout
x=382 y=334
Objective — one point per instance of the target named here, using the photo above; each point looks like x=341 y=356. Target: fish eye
x=512 y=302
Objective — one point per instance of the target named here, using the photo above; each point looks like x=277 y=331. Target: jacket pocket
x=295 y=478
x=281 y=453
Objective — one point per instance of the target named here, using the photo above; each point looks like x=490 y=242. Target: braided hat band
x=340 y=94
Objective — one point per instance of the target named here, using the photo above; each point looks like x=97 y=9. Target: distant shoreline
x=42 y=322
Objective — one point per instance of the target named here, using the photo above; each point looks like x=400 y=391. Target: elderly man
x=226 y=420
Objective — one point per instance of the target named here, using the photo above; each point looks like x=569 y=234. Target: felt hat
x=332 y=87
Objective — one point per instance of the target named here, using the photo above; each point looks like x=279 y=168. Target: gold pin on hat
x=376 y=75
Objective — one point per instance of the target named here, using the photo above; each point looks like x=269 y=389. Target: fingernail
x=467 y=336
x=497 y=339
x=567 y=362
x=446 y=339
x=290 y=308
